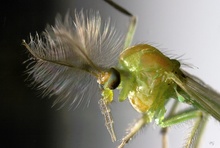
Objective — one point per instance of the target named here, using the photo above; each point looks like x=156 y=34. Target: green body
x=144 y=81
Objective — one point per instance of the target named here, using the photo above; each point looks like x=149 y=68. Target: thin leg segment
x=164 y=131
x=133 y=130
x=181 y=117
x=132 y=24
x=195 y=135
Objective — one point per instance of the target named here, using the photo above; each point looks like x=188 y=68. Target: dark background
x=25 y=119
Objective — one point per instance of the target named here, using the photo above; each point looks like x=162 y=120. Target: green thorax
x=143 y=77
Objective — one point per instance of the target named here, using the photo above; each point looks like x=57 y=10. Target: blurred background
x=186 y=29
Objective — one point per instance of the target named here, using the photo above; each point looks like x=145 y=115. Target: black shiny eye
x=114 y=79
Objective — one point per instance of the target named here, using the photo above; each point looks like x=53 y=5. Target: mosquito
x=82 y=52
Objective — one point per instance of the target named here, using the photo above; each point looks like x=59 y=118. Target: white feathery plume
x=66 y=57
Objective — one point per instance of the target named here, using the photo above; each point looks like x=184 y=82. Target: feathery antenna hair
x=66 y=56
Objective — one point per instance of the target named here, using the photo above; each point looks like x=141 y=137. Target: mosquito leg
x=164 y=131
x=132 y=24
x=195 y=135
x=140 y=123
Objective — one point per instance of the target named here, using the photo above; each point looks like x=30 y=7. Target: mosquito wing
x=200 y=94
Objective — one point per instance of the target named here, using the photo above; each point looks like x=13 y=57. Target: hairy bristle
x=69 y=53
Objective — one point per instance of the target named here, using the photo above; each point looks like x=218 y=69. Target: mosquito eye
x=114 y=79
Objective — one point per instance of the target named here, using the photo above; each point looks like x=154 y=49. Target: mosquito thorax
x=143 y=77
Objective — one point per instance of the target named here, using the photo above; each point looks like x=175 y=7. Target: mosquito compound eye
x=114 y=79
